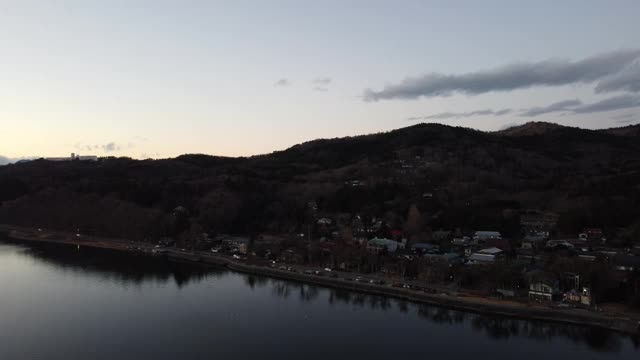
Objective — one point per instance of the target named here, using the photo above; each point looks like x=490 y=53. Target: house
x=536 y=220
x=424 y=248
x=482 y=236
x=502 y=244
x=542 y=286
x=441 y=235
x=493 y=251
x=486 y=256
x=377 y=245
x=593 y=233
x=559 y=244
x=448 y=258
x=535 y=240
x=462 y=246
x=463 y=241
x=235 y=243
x=527 y=244
x=477 y=258
x=528 y=256
x=582 y=297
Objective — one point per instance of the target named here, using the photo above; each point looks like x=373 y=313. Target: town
x=578 y=272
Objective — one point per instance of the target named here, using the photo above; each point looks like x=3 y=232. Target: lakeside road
x=625 y=323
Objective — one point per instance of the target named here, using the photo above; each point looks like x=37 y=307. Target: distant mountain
x=474 y=180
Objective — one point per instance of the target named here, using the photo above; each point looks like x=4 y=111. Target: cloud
x=623 y=117
x=626 y=80
x=282 y=82
x=613 y=103
x=457 y=115
x=572 y=106
x=110 y=147
x=576 y=106
x=320 y=88
x=565 y=105
x=553 y=72
x=322 y=81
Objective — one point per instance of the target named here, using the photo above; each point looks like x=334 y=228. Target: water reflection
x=495 y=327
x=116 y=266
x=127 y=269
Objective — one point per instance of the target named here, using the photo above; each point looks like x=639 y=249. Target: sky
x=235 y=78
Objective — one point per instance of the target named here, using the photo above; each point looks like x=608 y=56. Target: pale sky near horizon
x=163 y=78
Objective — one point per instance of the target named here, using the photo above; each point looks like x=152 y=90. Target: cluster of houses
x=466 y=252
x=488 y=247
x=484 y=247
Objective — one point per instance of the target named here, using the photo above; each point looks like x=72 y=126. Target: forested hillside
x=455 y=178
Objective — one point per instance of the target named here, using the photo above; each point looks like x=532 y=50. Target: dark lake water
x=58 y=302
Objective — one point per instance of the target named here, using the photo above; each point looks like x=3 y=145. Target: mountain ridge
x=590 y=178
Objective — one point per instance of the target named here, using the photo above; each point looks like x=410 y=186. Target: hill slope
x=475 y=180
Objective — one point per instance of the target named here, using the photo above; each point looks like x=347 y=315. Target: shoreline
x=626 y=325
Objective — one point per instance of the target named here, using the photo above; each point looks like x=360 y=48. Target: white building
x=73 y=157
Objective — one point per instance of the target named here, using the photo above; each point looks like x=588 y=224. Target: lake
x=60 y=302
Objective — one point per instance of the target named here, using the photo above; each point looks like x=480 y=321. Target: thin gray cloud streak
x=619 y=102
x=626 y=80
x=624 y=116
x=610 y=104
x=282 y=82
x=320 y=88
x=457 y=115
x=322 y=81
x=553 y=72
x=573 y=106
x=108 y=147
x=565 y=105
